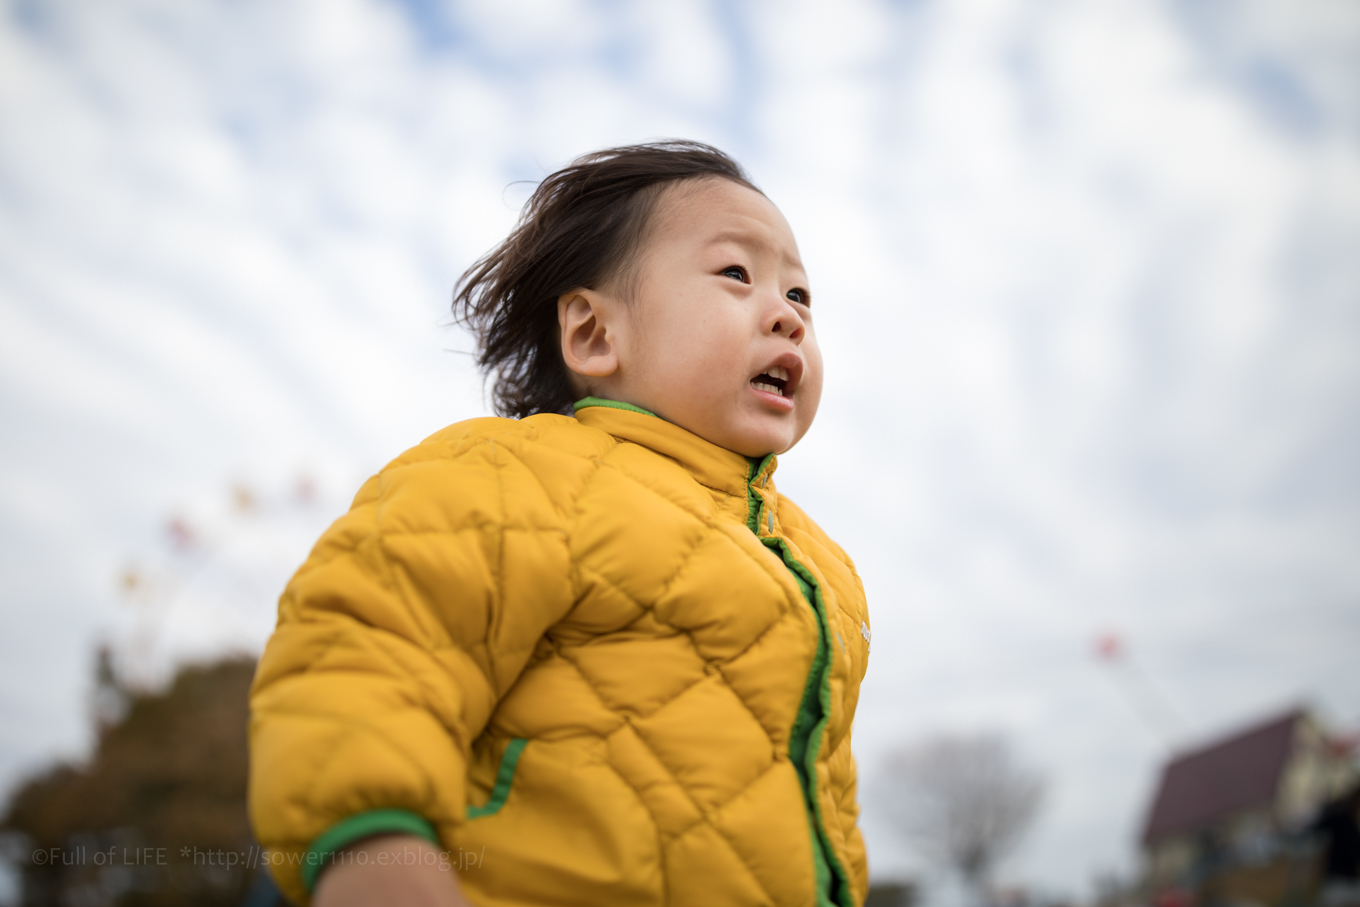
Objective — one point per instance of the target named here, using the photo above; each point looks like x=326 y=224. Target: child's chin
x=751 y=431
x=759 y=437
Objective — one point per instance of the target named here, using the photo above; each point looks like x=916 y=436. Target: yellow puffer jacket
x=597 y=660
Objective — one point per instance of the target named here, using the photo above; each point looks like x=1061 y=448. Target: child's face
x=718 y=338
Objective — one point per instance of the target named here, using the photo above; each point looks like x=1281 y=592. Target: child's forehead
x=712 y=213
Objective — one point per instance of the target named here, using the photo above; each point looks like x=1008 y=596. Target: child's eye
x=798 y=294
x=736 y=272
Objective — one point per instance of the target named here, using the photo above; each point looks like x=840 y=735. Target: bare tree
x=963 y=801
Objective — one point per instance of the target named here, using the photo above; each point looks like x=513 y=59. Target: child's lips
x=780 y=379
x=772 y=381
x=773 y=400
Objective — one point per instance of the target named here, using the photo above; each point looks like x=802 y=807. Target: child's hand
x=390 y=869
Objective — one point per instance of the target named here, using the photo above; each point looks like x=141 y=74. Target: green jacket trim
x=611 y=404
x=753 y=500
x=808 y=730
x=805 y=741
x=505 y=776
x=357 y=827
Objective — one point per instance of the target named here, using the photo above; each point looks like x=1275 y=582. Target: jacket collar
x=713 y=466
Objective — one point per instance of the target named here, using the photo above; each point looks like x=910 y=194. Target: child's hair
x=581 y=229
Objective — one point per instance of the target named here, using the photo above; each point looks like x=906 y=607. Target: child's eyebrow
x=754 y=240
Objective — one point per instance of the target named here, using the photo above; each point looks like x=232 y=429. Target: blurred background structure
x=1229 y=820
x=150 y=818
x=1088 y=290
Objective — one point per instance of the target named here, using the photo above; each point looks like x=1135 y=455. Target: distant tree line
x=153 y=817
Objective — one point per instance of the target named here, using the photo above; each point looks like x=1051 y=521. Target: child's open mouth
x=773 y=381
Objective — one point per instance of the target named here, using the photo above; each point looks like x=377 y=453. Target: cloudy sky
x=1088 y=290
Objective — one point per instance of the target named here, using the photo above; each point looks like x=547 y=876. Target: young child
x=587 y=654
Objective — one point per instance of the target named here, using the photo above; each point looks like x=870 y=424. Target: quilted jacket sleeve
x=411 y=618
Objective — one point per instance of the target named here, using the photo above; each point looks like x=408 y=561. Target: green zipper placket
x=819 y=676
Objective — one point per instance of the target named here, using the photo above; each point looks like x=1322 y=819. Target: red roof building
x=1230 y=802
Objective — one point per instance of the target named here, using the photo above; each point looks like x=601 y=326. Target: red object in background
x=1172 y=897
x=1110 y=647
x=182 y=535
x=1342 y=744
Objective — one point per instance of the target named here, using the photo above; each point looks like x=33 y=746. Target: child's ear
x=588 y=345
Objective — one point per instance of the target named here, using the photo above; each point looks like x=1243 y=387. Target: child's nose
x=786 y=320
